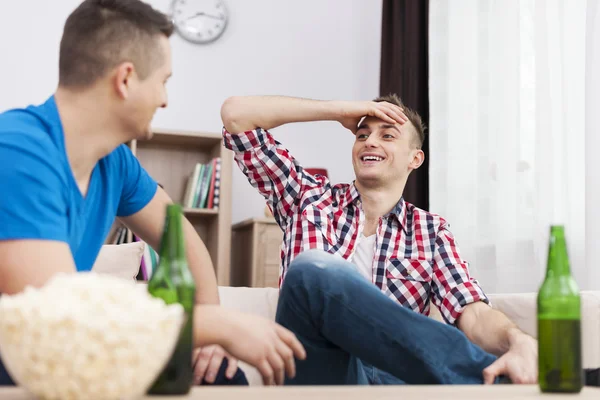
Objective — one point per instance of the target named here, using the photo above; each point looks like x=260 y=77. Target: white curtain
x=507 y=133
x=592 y=144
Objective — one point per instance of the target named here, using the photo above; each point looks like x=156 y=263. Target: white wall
x=313 y=48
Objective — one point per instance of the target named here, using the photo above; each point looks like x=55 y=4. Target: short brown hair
x=100 y=34
x=411 y=114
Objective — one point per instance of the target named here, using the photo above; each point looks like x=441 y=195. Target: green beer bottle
x=559 y=322
x=173 y=282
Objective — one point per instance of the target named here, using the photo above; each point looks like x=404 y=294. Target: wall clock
x=199 y=21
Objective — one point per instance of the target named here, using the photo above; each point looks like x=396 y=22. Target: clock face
x=199 y=21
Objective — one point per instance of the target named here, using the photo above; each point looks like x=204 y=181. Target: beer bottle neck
x=558 y=259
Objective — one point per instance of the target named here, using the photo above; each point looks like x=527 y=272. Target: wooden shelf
x=182 y=138
x=250 y=221
x=170 y=157
x=190 y=212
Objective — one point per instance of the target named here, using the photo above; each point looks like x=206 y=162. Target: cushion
x=120 y=260
x=521 y=308
x=258 y=301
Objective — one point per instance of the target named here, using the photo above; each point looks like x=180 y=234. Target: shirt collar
x=351 y=196
x=399 y=211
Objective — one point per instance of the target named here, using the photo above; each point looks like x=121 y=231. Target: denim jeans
x=4 y=377
x=239 y=379
x=354 y=334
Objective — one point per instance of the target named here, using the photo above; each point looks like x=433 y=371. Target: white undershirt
x=363 y=256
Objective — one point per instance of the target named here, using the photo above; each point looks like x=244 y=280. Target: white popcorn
x=87 y=336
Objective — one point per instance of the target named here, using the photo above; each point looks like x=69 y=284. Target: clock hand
x=203 y=14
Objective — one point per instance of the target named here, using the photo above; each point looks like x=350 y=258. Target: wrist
x=516 y=337
x=210 y=326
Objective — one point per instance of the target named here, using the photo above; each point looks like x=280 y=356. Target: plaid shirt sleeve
x=453 y=287
x=271 y=169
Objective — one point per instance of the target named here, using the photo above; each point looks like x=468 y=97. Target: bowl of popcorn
x=87 y=336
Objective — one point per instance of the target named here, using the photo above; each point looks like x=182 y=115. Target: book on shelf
x=202 y=188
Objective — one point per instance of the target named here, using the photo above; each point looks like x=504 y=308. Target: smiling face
x=384 y=154
x=143 y=97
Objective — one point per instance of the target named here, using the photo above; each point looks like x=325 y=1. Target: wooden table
x=496 y=392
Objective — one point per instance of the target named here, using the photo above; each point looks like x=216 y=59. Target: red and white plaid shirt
x=416 y=259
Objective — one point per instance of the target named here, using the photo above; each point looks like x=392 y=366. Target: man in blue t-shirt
x=66 y=173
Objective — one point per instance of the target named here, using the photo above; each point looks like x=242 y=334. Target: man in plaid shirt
x=360 y=266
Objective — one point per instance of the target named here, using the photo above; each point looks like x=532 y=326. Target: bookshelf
x=170 y=158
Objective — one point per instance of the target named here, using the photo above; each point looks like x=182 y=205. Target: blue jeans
x=354 y=334
x=239 y=379
x=4 y=376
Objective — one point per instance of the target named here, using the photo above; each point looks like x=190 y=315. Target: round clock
x=199 y=21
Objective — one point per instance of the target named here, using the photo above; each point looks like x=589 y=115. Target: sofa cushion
x=258 y=301
x=521 y=308
x=121 y=260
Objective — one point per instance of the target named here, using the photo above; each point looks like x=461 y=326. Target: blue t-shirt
x=39 y=197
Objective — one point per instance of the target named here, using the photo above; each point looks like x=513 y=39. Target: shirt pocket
x=318 y=220
x=410 y=269
x=409 y=281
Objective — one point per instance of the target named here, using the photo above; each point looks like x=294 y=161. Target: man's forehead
x=376 y=123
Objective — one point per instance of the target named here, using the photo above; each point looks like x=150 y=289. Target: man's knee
x=313 y=258
x=314 y=266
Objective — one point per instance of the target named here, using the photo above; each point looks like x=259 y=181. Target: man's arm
x=489 y=329
x=148 y=224
x=33 y=212
x=495 y=333
x=260 y=342
x=241 y=114
x=268 y=165
x=32 y=263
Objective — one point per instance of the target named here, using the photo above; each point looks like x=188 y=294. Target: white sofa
x=124 y=261
x=520 y=308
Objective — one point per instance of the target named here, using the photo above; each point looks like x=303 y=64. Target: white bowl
x=87 y=336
